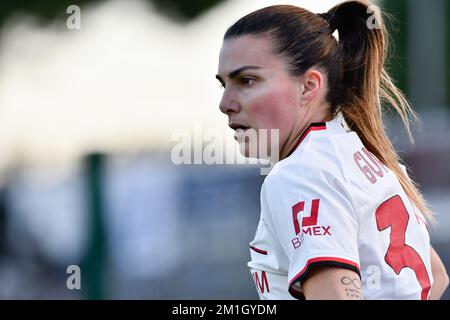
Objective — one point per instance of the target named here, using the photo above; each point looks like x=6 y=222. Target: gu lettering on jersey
x=366 y=167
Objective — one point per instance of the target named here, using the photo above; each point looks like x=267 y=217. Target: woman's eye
x=244 y=81
x=247 y=81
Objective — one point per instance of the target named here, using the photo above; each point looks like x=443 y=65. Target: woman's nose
x=228 y=104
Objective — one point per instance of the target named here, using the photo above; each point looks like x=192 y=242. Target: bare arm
x=331 y=283
x=440 y=276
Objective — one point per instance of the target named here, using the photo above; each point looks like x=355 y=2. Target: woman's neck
x=294 y=137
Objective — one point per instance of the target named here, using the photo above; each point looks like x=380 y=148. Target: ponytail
x=365 y=84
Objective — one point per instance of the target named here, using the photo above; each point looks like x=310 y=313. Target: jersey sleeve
x=313 y=217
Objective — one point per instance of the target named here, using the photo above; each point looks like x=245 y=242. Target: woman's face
x=258 y=92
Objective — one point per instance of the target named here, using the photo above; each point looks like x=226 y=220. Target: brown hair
x=358 y=81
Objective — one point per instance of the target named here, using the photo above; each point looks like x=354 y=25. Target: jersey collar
x=336 y=125
x=314 y=126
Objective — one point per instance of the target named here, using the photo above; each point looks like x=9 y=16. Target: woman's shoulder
x=318 y=159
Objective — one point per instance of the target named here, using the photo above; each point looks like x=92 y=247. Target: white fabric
x=331 y=165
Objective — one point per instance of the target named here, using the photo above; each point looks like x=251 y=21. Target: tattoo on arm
x=352 y=287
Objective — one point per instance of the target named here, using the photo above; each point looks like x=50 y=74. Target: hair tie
x=327 y=17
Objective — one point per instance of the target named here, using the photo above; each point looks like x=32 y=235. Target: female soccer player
x=340 y=219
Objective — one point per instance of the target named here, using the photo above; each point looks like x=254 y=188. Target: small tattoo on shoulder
x=353 y=287
x=353 y=293
x=349 y=281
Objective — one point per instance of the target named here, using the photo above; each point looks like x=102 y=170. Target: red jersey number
x=392 y=213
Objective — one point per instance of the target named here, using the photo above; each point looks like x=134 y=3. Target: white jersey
x=332 y=202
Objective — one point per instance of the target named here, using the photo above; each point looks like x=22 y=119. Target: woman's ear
x=311 y=84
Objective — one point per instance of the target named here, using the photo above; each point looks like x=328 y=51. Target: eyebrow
x=235 y=73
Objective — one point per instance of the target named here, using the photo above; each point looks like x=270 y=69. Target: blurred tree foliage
x=47 y=10
x=185 y=10
x=397 y=23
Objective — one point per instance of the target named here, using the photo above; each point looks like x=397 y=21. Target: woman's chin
x=252 y=152
x=255 y=144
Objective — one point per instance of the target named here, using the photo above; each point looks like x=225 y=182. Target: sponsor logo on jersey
x=317 y=231
x=309 y=223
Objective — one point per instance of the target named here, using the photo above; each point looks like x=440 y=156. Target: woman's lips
x=239 y=129
x=239 y=132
